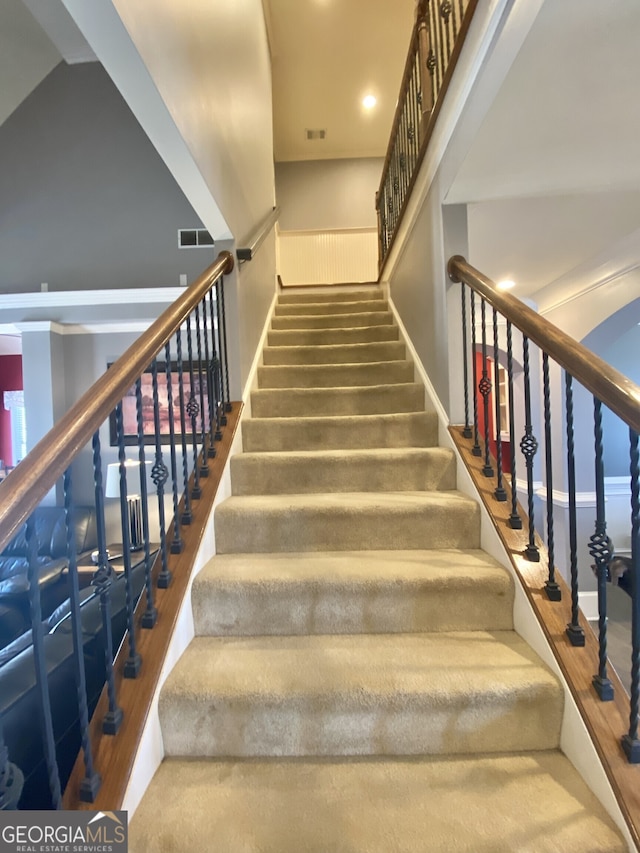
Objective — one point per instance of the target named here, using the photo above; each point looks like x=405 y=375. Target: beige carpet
x=355 y=683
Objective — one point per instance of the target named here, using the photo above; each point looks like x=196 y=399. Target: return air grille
x=315 y=134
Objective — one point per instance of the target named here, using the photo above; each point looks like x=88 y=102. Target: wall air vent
x=190 y=238
x=315 y=134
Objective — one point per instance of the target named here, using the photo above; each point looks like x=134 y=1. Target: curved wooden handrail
x=29 y=482
x=615 y=390
x=253 y=243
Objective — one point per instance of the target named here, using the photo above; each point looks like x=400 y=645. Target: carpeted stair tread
x=335 y=375
x=406 y=429
x=351 y=592
x=525 y=803
x=346 y=521
x=311 y=337
x=291 y=309
x=331 y=295
x=362 y=694
x=354 y=400
x=375 y=470
x=333 y=321
x=334 y=353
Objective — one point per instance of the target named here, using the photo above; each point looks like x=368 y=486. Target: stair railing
x=165 y=403
x=436 y=42
x=607 y=388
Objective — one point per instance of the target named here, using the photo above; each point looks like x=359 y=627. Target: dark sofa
x=50 y=532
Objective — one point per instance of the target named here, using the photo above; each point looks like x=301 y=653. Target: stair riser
x=418 y=429
x=371 y=400
x=346 y=528
x=332 y=321
x=257 y=475
x=345 y=354
x=315 y=296
x=320 y=337
x=289 y=310
x=331 y=375
x=364 y=724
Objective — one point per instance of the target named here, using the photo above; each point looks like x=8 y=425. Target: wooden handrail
x=615 y=390
x=37 y=474
x=253 y=243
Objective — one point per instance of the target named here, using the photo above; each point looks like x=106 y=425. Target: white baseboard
x=588 y=603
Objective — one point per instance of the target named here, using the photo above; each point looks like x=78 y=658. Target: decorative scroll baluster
x=134 y=661
x=485 y=390
x=476 y=449
x=11 y=778
x=499 y=492
x=574 y=631
x=440 y=44
x=224 y=357
x=42 y=685
x=192 y=411
x=186 y=516
x=150 y=615
x=466 y=432
x=515 y=522
x=445 y=14
x=215 y=375
x=102 y=582
x=160 y=475
x=551 y=586
x=176 y=542
x=529 y=447
x=211 y=450
x=601 y=551
x=204 y=464
x=630 y=741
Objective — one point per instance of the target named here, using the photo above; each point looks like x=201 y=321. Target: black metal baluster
x=134 y=661
x=223 y=400
x=215 y=374
x=499 y=492
x=551 y=586
x=529 y=447
x=454 y=24
x=42 y=684
x=102 y=582
x=160 y=475
x=461 y=4
x=485 y=390
x=476 y=449
x=630 y=741
x=150 y=615
x=466 y=432
x=211 y=450
x=91 y=782
x=515 y=522
x=192 y=411
x=445 y=14
x=601 y=551
x=176 y=542
x=186 y=516
x=204 y=464
x=228 y=405
x=11 y=778
x=440 y=47
x=574 y=631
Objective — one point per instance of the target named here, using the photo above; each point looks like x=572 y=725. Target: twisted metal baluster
x=445 y=13
x=160 y=475
x=601 y=550
x=91 y=782
x=150 y=615
x=204 y=464
x=211 y=450
x=102 y=582
x=551 y=586
x=476 y=449
x=186 y=516
x=134 y=661
x=176 y=542
x=215 y=374
x=499 y=492
x=515 y=522
x=630 y=741
x=529 y=447
x=193 y=410
x=223 y=402
x=574 y=631
x=42 y=684
x=228 y=406
x=485 y=390
x=466 y=432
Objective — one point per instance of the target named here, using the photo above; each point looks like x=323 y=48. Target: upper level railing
x=436 y=42
x=164 y=404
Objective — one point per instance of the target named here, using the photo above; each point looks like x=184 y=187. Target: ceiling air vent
x=315 y=134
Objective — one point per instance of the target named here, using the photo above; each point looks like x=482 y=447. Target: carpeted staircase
x=355 y=685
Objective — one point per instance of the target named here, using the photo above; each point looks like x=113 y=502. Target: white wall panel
x=328 y=257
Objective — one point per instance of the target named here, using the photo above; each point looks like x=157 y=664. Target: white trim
x=596 y=285
x=251 y=382
x=367 y=229
x=78 y=298
x=583 y=499
x=588 y=603
x=617 y=486
x=40 y=326
x=133 y=327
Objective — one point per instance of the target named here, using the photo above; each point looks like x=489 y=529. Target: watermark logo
x=63 y=832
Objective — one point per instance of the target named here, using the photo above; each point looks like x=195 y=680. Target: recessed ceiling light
x=369 y=102
x=507 y=284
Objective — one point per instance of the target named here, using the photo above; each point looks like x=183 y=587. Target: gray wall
x=319 y=194
x=85 y=200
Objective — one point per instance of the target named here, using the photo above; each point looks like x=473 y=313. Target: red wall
x=10 y=380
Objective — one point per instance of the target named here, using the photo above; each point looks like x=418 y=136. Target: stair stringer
x=575 y=741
